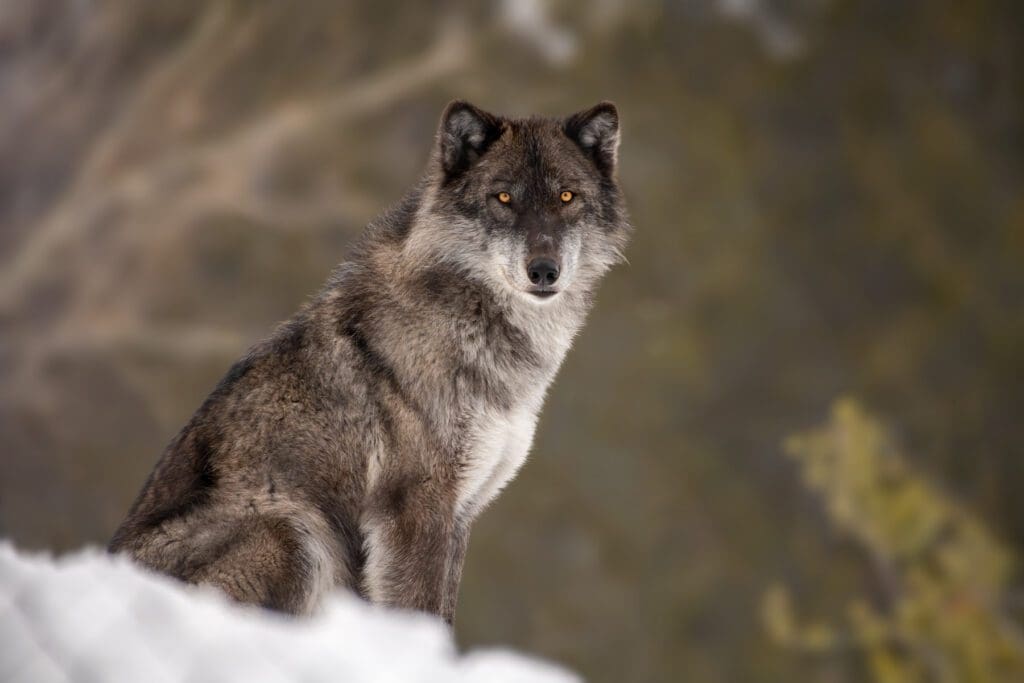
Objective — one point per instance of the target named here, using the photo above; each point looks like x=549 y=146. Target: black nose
x=542 y=271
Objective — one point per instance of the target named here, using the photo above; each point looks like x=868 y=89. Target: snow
x=93 y=617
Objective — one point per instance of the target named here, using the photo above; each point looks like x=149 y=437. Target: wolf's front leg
x=414 y=551
x=456 y=558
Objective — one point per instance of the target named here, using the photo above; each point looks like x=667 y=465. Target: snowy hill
x=91 y=617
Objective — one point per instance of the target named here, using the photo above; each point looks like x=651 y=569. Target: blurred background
x=788 y=445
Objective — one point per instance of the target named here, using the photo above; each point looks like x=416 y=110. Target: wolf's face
x=527 y=206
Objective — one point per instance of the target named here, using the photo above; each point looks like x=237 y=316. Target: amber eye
x=566 y=196
x=504 y=197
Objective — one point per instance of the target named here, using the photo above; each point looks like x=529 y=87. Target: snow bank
x=91 y=617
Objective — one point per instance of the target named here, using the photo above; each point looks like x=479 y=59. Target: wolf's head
x=528 y=207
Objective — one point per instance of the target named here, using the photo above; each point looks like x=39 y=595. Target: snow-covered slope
x=91 y=617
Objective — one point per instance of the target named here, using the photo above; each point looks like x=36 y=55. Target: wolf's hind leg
x=263 y=562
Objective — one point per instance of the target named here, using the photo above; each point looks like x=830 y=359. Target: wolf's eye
x=504 y=197
x=566 y=196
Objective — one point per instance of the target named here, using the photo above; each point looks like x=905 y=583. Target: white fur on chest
x=497 y=448
x=499 y=440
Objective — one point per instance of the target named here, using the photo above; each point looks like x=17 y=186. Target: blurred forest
x=828 y=200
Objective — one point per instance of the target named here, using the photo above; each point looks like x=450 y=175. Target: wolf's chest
x=495 y=450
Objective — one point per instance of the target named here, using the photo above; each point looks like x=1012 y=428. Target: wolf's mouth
x=543 y=293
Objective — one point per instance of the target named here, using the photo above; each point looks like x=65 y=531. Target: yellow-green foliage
x=940 y=614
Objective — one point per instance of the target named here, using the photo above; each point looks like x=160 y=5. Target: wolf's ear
x=465 y=134
x=596 y=131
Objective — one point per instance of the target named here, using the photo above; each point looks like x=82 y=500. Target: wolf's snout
x=542 y=271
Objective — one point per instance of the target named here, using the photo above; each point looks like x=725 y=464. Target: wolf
x=355 y=446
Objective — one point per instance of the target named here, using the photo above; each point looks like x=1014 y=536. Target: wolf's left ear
x=465 y=134
x=596 y=131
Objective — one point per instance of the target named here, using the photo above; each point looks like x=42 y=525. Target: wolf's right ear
x=465 y=134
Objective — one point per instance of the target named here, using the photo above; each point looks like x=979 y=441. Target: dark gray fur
x=355 y=446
